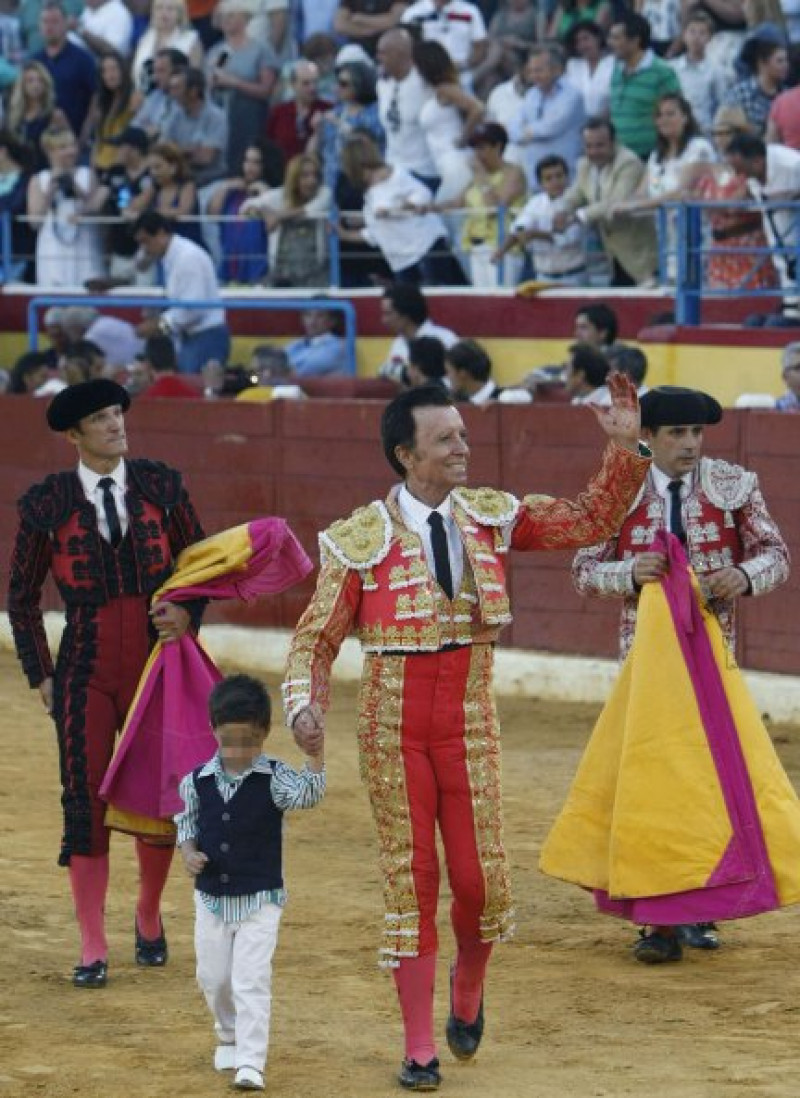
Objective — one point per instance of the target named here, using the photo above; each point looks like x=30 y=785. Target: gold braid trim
x=482 y=741
x=380 y=733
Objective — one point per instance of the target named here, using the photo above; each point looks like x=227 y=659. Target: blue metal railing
x=691 y=246
x=150 y=301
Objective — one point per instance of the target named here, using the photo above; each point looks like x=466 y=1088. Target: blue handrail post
x=662 y=230
x=688 y=287
x=334 y=251
x=6 y=257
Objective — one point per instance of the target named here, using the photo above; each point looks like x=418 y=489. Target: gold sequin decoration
x=381 y=762
x=482 y=741
x=361 y=537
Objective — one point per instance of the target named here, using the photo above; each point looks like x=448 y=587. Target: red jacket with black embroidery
x=58 y=534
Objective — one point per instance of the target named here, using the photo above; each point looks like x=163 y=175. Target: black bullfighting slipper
x=151 y=952
x=463 y=1038
x=93 y=975
x=414 y=1076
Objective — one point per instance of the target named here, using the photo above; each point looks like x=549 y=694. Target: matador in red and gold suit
x=427 y=598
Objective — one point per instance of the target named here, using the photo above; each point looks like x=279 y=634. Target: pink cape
x=167 y=732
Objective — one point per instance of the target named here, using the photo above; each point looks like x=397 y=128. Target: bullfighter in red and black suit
x=108 y=533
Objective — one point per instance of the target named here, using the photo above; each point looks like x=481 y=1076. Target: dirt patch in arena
x=569 y=1013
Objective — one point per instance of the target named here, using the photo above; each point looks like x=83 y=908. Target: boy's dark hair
x=590 y=362
x=408 y=300
x=240 y=699
x=604 y=319
x=398 y=426
x=468 y=355
x=548 y=162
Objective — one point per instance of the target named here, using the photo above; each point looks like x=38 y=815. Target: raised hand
x=621 y=421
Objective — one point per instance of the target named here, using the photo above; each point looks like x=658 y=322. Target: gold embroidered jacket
x=374 y=578
x=727 y=523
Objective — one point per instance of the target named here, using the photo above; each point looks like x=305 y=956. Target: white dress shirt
x=94 y=494
x=399 y=106
x=189 y=275
x=661 y=483
x=403 y=237
x=457 y=26
x=397 y=359
x=415 y=516
x=112 y=22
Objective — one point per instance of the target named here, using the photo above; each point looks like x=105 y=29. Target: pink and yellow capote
x=680 y=811
x=167 y=732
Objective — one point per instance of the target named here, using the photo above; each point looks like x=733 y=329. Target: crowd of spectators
x=421 y=141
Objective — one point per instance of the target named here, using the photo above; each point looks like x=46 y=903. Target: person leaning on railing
x=728 y=266
x=295 y=217
x=497 y=188
x=396 y=219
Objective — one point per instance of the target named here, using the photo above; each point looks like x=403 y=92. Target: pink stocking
x=473 y=957
x=415 y=979
x=88 y=878
x=154 y=863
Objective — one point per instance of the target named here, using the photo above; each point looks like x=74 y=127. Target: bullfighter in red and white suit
x=732 y=542
x=421 y=580
x=108 y=532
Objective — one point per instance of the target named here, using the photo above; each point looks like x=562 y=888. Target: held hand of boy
x=309 y=729
x=194 y=860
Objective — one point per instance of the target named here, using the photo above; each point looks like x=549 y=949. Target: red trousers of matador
x=100 y=660
x=430 y=755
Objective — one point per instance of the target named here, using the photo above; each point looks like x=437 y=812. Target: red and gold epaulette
x=488 y=506
x=361 y=540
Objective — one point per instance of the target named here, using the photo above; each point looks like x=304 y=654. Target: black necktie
x=675 y=516
x=441 y=555
x=110 y=508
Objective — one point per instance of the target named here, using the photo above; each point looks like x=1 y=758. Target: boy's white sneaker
x=225 y=1058
x=248 y=1078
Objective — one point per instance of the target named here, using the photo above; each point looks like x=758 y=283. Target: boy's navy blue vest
x=242 y=839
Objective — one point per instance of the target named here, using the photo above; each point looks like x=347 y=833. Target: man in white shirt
x=773 y=175
x=106 y=25
x=401 y=95
x=504 y=106
x=189 y=275
x=552 y=114
x=585 y=375
x=404 y=311
x=456 y=24
x=703 y=83
x=469 y=372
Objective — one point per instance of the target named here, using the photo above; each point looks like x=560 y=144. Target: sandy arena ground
x=569 y=1014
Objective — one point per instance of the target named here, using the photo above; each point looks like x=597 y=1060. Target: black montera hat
x=671 y=406
x=76 y=401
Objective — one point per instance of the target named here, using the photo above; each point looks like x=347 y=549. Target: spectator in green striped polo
x=638 y=82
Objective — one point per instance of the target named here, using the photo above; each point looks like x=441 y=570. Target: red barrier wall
x=314 y=461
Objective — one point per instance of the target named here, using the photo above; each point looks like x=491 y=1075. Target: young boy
x=230 y=836
x=703 y=83
x=558 y=256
